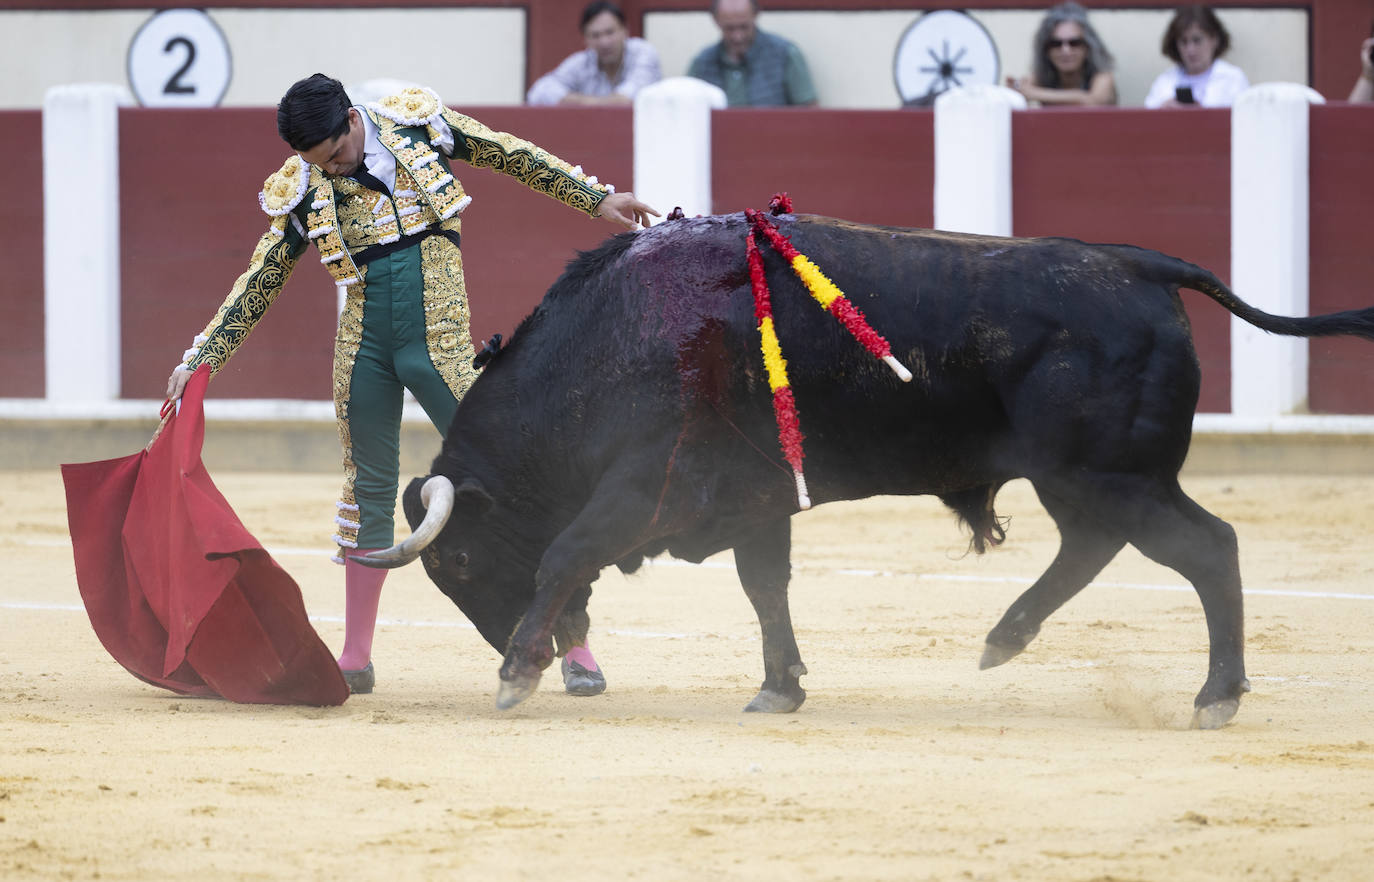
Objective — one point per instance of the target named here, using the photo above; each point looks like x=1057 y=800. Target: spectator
x=755 y=68
x=1196 y=39
x=1072 y=64
x=612 y=68
x=1363 y=90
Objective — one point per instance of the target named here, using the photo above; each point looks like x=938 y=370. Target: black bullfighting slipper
x=578 y=680
x=360 y=682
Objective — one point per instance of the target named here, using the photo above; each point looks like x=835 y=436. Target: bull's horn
x=437 y=497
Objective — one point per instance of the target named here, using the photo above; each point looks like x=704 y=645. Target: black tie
x=367 y=179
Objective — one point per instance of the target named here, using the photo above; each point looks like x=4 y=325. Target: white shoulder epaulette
x=285 y=188
x=416 y=106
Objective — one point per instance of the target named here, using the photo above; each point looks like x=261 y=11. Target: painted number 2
x=174 y=85
x=179 y=58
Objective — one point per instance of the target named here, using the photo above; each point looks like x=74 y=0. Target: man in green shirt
x=753 y=67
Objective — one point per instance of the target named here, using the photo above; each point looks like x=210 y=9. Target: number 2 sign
x=179 y=58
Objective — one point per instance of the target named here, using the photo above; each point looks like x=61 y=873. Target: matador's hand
x=626 y=210
x=176 y=383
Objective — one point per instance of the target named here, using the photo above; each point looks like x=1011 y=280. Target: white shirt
x=580 y=73
x=1217 y=86
x=376 y=158
x=379 y=161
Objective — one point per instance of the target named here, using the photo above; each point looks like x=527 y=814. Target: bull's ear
x=410 y=502
x=473 y=497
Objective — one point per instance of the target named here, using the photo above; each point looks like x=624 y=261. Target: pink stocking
x=362 y=594
x=583 y=656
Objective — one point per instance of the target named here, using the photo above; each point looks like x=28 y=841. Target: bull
x=630 y=415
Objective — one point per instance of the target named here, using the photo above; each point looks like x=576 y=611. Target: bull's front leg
x=531 y=648
x=765 y=568
x=607 y=529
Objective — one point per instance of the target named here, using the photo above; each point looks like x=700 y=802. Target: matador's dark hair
x=312 y=111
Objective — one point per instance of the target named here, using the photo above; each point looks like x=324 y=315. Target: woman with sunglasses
x=1195 y=40
x=1072 y=65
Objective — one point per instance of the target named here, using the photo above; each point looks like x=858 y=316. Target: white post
x=1269 y=192
x=81 y=241
x=973 y=159
x=672 y=131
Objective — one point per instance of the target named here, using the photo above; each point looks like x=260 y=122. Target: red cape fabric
x=177 y=590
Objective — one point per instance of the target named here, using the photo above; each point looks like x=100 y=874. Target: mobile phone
x=1184 y=95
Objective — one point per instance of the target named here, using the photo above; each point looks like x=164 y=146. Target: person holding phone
x=1195 y=40
x=1072 y=65
x=1363 y=90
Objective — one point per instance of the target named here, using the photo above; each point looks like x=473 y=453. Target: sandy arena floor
x=1071 y=763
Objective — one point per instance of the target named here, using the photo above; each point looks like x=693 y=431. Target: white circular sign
x=179 y=58
x=941 y=50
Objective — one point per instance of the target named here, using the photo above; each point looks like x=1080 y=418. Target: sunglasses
x=1074 y=43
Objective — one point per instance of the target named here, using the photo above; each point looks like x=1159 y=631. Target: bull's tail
x=1351 y=322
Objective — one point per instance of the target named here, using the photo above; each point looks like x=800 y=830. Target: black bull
x=630 y=414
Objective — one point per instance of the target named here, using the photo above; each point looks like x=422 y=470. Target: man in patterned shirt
x=612 y=68
x=372 y=188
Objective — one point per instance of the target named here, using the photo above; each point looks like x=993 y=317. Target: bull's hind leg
x=764 y=564
x=1158 y=518
x=1203 y=549
x=1084 y=549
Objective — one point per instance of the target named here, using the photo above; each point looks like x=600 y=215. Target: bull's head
x=464 y=554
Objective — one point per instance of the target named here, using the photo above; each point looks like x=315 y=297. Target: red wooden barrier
x=1341 y=202
x=874 y=166
x=1159 y=179
x=189 y=220
x=21 y=229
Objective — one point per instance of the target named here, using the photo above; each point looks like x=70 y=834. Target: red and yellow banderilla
x=830 y=298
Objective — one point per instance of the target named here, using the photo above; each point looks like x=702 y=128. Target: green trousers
x=392 y=356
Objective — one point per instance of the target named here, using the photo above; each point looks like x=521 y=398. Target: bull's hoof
x=770 y=702
x=578 y=680
x=1215 y=715
x=995 y=654
x=512 y=692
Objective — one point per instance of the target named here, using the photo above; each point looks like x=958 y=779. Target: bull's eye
x=461 y=558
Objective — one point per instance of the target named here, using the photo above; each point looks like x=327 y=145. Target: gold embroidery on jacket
x=346 y=345
x=415 y=213
x=533 y=166
x=447 y=336
x=323 y=227
x=427 y=171
x=248 y=299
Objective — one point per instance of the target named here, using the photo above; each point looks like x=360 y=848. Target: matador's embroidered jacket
x=347 y=221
